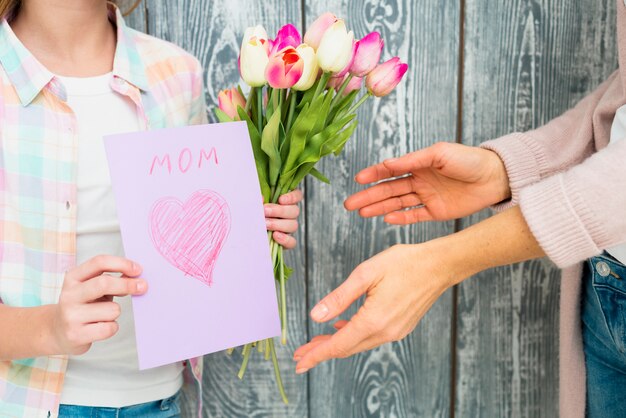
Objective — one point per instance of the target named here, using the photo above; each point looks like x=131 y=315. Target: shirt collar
x=29 y=76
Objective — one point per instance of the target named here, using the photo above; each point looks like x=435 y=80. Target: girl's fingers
x=288 y=226
x=390 y=205
x=100 y=312
x=102 y=264
x=99 y=331
x=379 y=193
x=291 y=198
x=281 y=211
x=106 y=285
x=285 y=240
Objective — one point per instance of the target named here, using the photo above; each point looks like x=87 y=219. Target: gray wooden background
x=478 y=69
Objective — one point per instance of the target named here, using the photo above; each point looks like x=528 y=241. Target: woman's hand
x=86 y=312
x=282 y=218
x=444 y=181
x=401 y=284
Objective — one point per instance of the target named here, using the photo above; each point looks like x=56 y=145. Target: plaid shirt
x=38 y=159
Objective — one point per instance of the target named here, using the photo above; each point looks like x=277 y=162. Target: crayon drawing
x=191 y=235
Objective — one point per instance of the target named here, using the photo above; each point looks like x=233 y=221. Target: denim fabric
x=166 y=408
x=604 y=336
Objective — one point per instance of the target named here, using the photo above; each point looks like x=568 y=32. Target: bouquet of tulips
x=301 y=107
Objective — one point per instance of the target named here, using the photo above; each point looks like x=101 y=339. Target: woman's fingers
x=390 y=205
x=379 y=193
x=410 y=216
x=340 y=324
x=285 y=240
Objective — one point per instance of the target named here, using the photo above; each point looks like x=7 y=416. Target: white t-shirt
x=618 y=133
x=108 y=374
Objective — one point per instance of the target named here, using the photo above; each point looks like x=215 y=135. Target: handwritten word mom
x=185 y=160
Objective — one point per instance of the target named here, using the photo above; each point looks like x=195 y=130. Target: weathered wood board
x=410 y=378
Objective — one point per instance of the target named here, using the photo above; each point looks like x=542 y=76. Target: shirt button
x=603 y=269
x=67 y=205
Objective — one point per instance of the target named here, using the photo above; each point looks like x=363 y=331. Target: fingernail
x=268 y=211
x=141 y=286
x=390 y=160
x=297 y=358
x=319 y=312
x=300 y=371
x=268 y=223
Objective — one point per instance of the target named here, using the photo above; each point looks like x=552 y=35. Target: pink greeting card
x=191 y=213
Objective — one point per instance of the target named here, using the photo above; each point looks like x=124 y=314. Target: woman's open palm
x=441 y=182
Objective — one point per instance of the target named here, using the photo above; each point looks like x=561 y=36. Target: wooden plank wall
x=489 y=349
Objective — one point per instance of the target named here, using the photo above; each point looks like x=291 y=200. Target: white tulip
x=257 y=31
x=336 y=48
x=311 y=69
x=253 y=57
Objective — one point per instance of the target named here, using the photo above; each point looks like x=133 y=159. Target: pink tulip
x=334 y=83
x=354 y=84
x=367 y=54
x=313 y=35
x=288 y=35
x=229 y=100
x=284 y=68
x=385 y=77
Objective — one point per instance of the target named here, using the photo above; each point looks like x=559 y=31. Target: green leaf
x=342 y=138
x=318 y=175
x=260 y=158
x=270 y=141
x=221 y=116
x=309 y=122
x=321 y=144
x=343 y=105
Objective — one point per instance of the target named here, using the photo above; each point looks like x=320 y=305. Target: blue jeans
x=604 y=336
x=165 y=408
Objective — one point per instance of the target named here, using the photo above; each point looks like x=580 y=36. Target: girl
x=71 y=72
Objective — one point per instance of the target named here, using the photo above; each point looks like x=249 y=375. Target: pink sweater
x=571 y=187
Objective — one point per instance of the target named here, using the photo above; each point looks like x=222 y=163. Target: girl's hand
x=282 y=218
x=441 y=182
x=86 y=311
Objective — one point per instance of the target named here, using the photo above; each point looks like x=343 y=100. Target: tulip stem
x=293 y=98
x=343 y=87
x=249 y=100
x=259 y=121
x=359 y=103
x=322 y=84
x=279 y=380
x=283 y=295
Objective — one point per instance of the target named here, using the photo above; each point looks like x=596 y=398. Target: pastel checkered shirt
x=38 y=160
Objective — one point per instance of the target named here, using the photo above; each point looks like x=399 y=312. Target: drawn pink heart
x=191 y=235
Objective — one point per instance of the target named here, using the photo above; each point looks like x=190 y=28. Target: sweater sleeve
x=531 y=156
x=578 y=213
